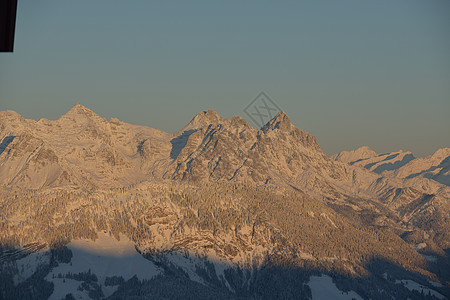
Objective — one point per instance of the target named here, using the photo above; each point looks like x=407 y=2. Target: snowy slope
x=435 y=166
x=414 y=286
x=401 y=164
x=104 y=257
x=323 y=288
x=370 y=160
x=362 y=153
x=126 y=169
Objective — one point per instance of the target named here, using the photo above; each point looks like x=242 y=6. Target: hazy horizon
x=351 y=73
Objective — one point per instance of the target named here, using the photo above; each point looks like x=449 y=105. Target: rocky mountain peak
x=82 y=115
x=364 y=152
x=10 y=114
x=281 y=126
x=441 y=153
x=361 y=153
x=11 y=117
x=281 y=122
x=115 y=121
x=238 y=122
x=203 y=119
x=364 y=149
x=12 y=123
x=79 y=110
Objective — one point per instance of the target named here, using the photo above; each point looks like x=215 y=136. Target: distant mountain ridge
x=83 y=149
x=221 y=194
x=401 y=164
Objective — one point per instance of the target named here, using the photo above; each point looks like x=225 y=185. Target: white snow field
x=104 y=257
x=412 y=285
x=29 y=264
x=323 y=288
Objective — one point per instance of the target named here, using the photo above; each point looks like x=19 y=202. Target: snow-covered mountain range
x=219 y=203
x=401 y=164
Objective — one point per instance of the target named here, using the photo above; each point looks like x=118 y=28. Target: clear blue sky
x=352 y=73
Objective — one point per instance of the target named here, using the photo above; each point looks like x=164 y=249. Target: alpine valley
x=97 y=209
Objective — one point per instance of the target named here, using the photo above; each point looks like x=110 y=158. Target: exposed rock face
x=204 y=119
x=86 y=150
x=83 y=149
x=93 y=152
x=223 y=189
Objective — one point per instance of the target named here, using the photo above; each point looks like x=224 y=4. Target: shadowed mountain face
x=247 y=202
